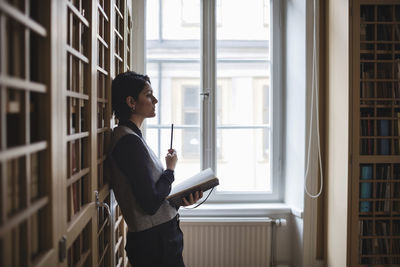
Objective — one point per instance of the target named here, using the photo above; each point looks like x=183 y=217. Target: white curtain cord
x=314 y=89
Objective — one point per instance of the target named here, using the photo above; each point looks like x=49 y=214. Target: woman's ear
x=130 y=101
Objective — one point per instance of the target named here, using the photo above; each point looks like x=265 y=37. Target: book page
x=199 y=178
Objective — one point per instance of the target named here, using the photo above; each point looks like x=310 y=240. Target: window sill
x=245 y=210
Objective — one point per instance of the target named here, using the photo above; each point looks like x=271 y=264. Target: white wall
x=294 y=98
x=337 y=130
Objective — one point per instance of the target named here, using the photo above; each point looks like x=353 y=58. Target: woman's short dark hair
x=126 y=84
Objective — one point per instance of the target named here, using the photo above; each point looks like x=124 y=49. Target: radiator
x=223 y=242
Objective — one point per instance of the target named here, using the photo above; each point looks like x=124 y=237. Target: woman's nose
x=155 y=101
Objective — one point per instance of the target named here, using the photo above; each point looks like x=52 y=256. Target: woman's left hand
x=192 y=198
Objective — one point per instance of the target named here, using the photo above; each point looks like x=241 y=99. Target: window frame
x=208 y=112
x=208 y=105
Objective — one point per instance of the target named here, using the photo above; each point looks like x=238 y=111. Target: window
x=191 y=118
x=226 y=124
x=190 y=10
x=266 y=119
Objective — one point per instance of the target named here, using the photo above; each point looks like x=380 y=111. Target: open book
x=202 y=181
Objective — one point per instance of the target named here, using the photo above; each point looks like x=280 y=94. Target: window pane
x=173 y=64
x=243 y=108
x=243 y=166
x=191 y=97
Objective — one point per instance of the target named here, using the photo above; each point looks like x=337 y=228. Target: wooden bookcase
x=375 y=132
x=26 y=201
x=57 y=60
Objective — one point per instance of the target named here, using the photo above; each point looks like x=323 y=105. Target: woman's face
x=146 y=103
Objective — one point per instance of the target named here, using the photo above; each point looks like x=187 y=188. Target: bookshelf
x=57 y=59
x=375 y=150
x=25 y=201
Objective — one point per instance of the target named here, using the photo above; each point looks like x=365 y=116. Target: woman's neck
x=136 y=120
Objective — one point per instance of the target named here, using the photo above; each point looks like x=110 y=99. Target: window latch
x=206 y=93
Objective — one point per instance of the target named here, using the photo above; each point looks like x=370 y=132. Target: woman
x=139 y=181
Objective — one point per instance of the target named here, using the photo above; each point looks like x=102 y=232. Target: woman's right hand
x=170 y=159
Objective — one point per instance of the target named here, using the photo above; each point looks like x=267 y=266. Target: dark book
x=398 y=128
x=369 y=129
x=365 y=188
x=34 y=176
x=397 y=28
x=75 y=197
x=384 y=143
x=74 y=158
x=387 y=189
x=202 y=181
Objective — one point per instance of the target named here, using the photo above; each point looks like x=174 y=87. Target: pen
x=172 y=134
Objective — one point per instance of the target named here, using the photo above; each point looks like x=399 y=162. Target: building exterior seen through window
x=243 y=107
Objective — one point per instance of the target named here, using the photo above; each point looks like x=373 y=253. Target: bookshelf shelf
x=375 y=179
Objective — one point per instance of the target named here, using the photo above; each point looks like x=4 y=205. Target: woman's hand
x=192 y=198
x=170 y=159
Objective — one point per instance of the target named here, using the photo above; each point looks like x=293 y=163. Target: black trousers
x=160 y=246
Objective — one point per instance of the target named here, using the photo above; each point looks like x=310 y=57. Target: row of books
x=380 y=231
x=383 y=128
x=384 y=91
x=383 y=30
x=77 y=73
x=77 y=194
x=16 y=195
x=378 y=241
x=383 y=70
x=15 y=117
x=77 y=156
x=383 y=147
x=380 y=113
x=75 y=105
x=15 y=110
x=16 y=180
x=382 y=243
x=101 y=85
x=379 y=228
x=15 y=200
x=379 y=13
x=384 y=190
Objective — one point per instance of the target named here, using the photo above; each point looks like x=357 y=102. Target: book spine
x=384 y=131
x=397 y=31
x=398 y=130
x=388 y=189
x=75 y=198
x=369 y=142
x=74 y=165
x=34 y=176
x=366 y=188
